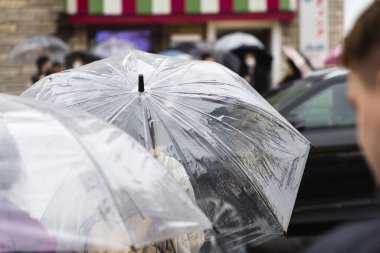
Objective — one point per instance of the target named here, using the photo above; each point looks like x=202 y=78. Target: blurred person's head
x=293 y=70
x=207 y=57
x=44 y=64
x=57 y=67
x=361 y=55
x=78 y=61
x=250 y=60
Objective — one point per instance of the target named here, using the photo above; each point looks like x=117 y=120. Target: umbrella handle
x=141 y=83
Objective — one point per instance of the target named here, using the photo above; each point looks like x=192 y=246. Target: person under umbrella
x=256 y=62
x=37 y=45
x=243 y=159
x=44 y=65
x=79 y=58
x=299 y=61
x=293 y=73
x=207 y=57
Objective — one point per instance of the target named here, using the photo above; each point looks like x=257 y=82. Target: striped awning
x=176 y=11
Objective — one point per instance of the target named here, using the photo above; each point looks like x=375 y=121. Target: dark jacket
x=357 y=237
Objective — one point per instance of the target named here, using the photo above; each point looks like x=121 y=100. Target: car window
x=327 y=108
x=281 y=98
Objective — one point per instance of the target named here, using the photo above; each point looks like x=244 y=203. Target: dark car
x=337 y=185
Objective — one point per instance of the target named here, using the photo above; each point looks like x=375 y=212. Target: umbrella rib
x=156 y=70
x=189 y=65
x=195 y=82
x=120 y=110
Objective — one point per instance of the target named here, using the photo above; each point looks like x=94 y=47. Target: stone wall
x=20 y=19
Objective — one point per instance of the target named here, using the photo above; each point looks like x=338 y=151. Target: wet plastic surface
x=70 y=181
x=244 y=161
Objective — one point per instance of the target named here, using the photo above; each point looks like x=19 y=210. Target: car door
x=336 y=170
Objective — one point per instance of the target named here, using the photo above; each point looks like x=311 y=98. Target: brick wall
x=20 y=19
x=336 y=22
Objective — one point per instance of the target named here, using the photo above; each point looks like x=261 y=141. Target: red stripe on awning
x=176 y=19
x=178 y=6
x=129 y=7
x=82 y=7
x=226 y=6
x=273 y=5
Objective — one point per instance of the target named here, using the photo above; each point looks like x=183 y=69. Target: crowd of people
x=252 y=64
x=45 y=66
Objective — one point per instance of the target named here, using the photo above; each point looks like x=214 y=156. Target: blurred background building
x=312 y=26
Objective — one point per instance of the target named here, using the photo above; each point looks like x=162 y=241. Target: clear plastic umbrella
x=243 y=160
x=236 y=40
x=334 y=55
x=69 y=181
x=111 y=47
x=299 y=59
x=176 y=53
x=40 y=44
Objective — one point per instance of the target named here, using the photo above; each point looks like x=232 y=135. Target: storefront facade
x=173 y=21
x=161 y=23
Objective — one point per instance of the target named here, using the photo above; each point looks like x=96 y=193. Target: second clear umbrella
x=38 y=45
x=71 y=182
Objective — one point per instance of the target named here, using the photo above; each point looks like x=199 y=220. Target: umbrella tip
x=141 y=83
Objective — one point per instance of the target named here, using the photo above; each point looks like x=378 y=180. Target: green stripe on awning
x=193 y=6
x=241 y=6
x=144 y=6
x=284 y=5
x=95 y=7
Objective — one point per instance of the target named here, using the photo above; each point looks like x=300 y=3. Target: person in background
x=250 y=64
x=78 y=61
x=361 y=55
x=79 y=58
x=57 y=67
x=207 y=57
x=292 y=73
x=44 y=65
x=255 y=72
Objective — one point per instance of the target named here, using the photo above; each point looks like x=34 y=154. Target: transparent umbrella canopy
x=242 y=159
x=236 y=40
x=38 y=45
x=70 y=182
